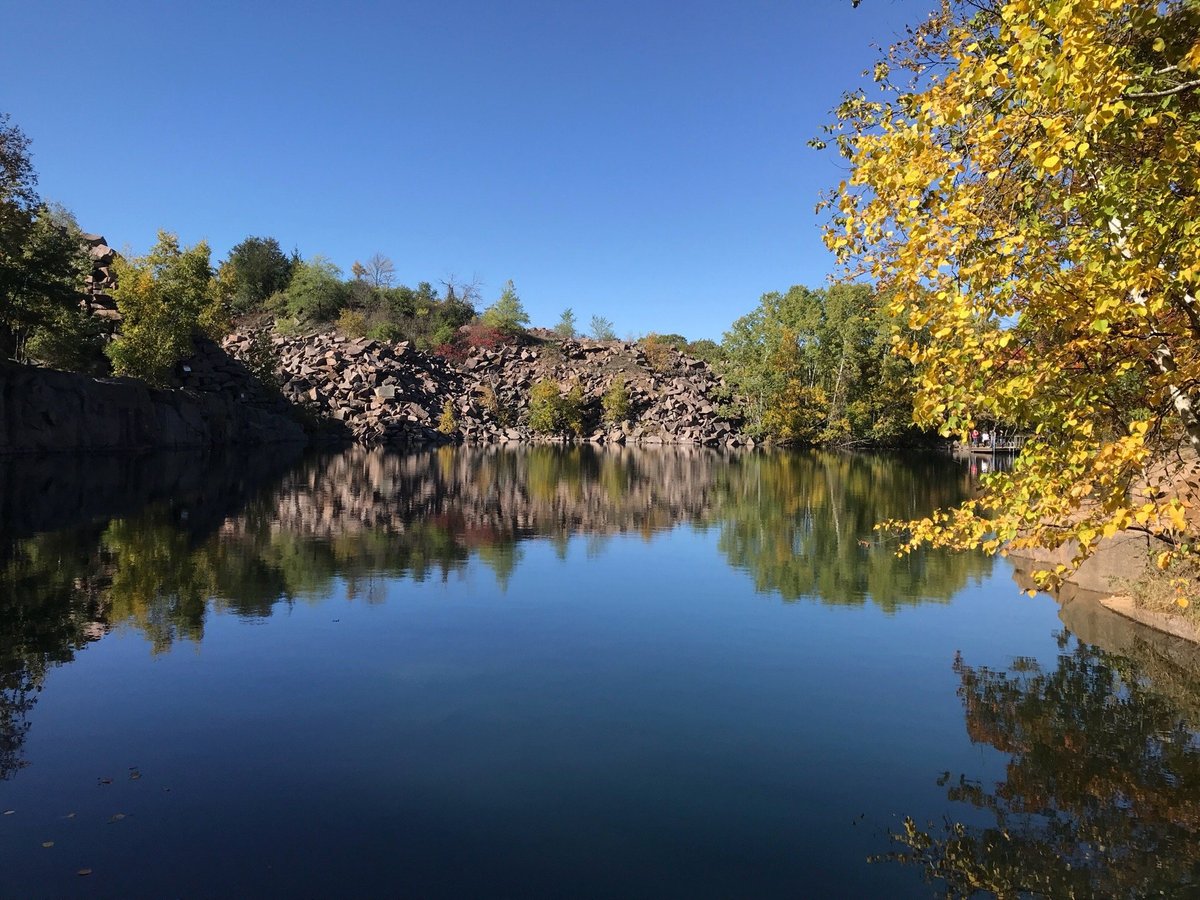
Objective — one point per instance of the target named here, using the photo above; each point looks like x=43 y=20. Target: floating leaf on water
x=135 y=775
x=117 y=817
x=84 y=872
x=69 y=815
x=105 y=780
x=9 y=812
x=47 y=844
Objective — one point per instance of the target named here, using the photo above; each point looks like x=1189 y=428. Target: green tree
x=705 y=349
x=165 y=297
x=507 y=314
x=59 y=330
x=254 y=270
x=602 y=329
x=814 y=366
x=316 y=292
x=43 y=263
x=566 y=324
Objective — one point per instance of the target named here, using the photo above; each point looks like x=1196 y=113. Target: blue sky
x=646 y=161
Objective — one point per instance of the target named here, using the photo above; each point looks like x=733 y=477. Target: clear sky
x=641 y=159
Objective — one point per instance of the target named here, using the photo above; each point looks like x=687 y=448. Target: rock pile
x=674 y=399
x=392 y=394
x=102 y=280
x=381 y=393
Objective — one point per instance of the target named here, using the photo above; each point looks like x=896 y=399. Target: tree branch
x=1167 y=92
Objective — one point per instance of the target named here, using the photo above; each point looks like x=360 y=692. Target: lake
x=562 y=672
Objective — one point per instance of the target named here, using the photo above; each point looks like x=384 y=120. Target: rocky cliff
x=42 y=410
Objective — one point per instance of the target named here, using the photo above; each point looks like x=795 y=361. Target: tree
x=380 y=271
x=1025 y=185
x=48 y=322
x=566 y=324
x=602 y=329
x=255 y=269
x=42 y=264
x=316 y=291
x=507 y=313
x=814 y=366
x=708 y=350
x=164 y=297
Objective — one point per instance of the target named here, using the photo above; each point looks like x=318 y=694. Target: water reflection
x=187 y=536
x=1101 y=795
x=803 y=526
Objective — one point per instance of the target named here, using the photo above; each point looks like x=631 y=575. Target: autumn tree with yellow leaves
x=1023 y=181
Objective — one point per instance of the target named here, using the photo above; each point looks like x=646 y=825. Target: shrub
x=657 y=352
x=476 y=336
x=351 y=322
x=545 y=412
x=448 y=421
x=552 y=412
x=262 y=360
x=490 y=401
x=615 y=402
x=386 y=331
x=572 y=410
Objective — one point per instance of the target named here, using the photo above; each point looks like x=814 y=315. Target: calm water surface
x=561 y=673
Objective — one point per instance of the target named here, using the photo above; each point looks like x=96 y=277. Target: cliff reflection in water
x=1101 y=795
x=184 y=536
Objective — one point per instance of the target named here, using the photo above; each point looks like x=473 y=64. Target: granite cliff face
x=42 y=411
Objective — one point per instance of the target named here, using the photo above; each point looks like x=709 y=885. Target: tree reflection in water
x=800 y=524
x=803 y=525
x=1101 y=796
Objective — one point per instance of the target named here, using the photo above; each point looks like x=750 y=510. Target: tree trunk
x=1164 y=361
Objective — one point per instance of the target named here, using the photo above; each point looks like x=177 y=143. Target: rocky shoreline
x=1104 y=579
